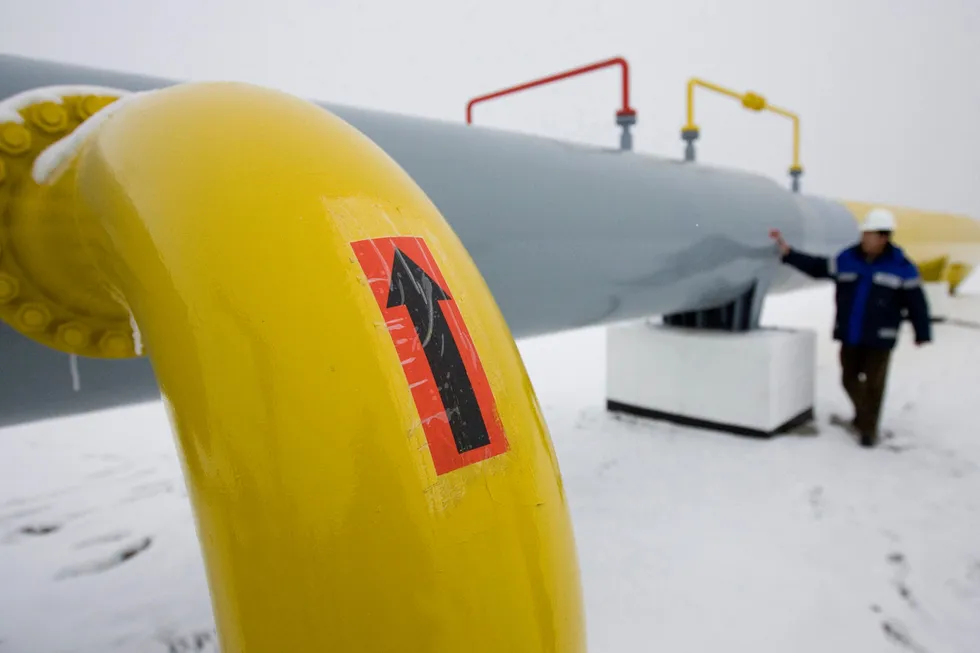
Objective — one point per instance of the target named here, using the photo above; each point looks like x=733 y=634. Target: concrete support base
x=758 y=383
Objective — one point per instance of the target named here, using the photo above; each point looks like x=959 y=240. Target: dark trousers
x=864 y=372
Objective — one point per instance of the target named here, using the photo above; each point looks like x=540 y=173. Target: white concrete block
x=937 y=295
x=756 y=383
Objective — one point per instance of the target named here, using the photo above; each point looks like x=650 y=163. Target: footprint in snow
x=816 y=501
x=199 y=642
x=898 y=561
x=40 y=529
x=898 y=634
x=105 y=564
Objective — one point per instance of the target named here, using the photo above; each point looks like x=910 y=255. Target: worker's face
x=873 y=242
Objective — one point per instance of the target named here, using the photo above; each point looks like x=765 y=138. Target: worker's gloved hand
x=919 y=343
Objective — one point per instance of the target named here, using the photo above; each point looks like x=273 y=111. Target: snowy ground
x=689 y=541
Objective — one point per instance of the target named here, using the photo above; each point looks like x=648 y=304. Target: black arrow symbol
x=414 y=289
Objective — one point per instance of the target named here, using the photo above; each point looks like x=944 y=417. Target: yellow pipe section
x=693 y=83
x=749 y=100
x=956 y=274
x=933 y=270
x=932 y=239
x=796 y=166
x=245 y=229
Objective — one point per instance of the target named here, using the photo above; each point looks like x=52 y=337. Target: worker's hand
x=777 y=235
x=919 y=343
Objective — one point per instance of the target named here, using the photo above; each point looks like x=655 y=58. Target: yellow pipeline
x=693 y=83
x=796 y=165
x=932 y=239
x=227 y=219
x=751 y=101
x=957 y=274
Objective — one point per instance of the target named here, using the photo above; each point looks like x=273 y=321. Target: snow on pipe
x=346 y=500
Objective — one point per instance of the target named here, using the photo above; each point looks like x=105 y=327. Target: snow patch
x=52 y=161
x=11 y=107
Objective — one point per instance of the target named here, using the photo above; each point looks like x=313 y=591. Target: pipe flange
x=116 y=344
x=89 y=105
x=31 y=299
x=15 y=139
x=626 y=118
x=690 y=134
x=795 y=172
x=9 y=288
x=49 y=117
x=74 y=335
x=33 y=317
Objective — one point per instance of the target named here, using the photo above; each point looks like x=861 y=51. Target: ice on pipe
x=11 y=107
x=137 y=336
x=76 y=379
x=52 y=160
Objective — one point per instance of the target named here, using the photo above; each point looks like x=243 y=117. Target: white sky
x=889 y=90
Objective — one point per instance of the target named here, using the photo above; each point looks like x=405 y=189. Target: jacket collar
x=890 y=253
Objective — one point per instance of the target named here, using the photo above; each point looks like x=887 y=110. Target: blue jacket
x=873 y=297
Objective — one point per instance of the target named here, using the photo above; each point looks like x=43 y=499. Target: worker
x=877 y=287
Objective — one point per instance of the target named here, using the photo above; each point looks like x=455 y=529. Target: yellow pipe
x=927 y=236
x=695 y=82
x=246 y=231
x=956 y=274
x=933 y=270
x=749 y=100
x=796 y=134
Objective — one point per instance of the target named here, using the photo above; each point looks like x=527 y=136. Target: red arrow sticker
x=441 y=364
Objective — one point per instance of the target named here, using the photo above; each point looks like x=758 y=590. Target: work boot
x=868 y=438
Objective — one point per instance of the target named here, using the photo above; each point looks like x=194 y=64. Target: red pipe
x=626 y=110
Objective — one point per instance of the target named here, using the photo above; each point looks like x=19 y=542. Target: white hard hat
x=879 y=219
